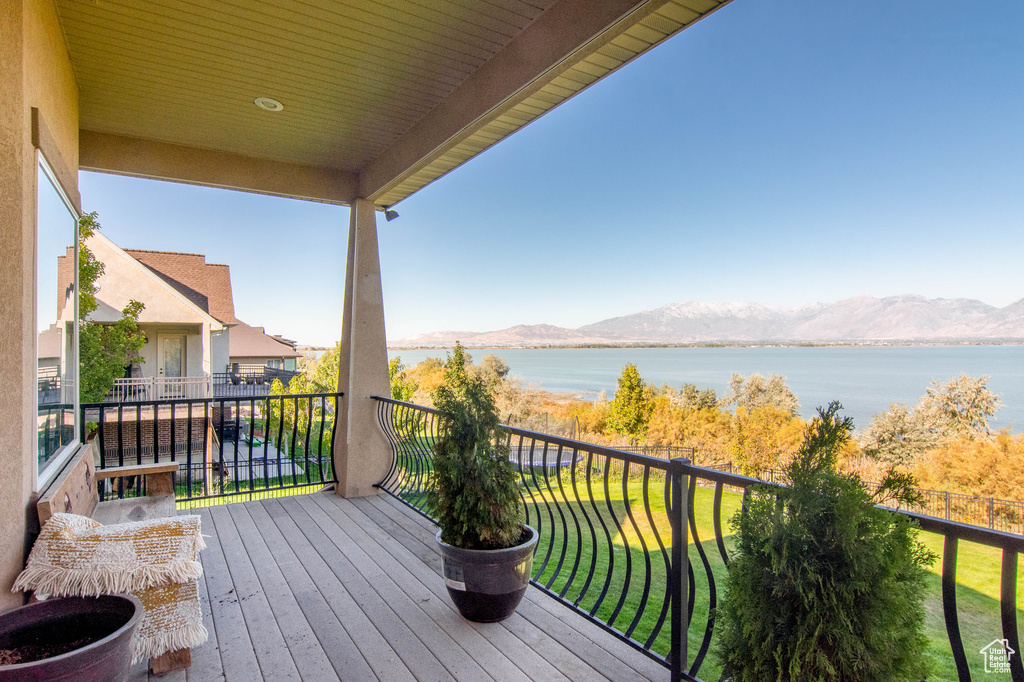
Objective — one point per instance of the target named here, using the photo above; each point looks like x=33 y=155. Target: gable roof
x=110 y=254
x=253 y=342
x=206 y=285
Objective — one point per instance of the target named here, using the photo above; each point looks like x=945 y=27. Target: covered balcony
x=356 y=104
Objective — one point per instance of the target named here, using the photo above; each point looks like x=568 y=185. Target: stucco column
x=362 y=455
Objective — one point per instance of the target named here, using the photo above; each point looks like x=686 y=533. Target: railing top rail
x=392 y=401
x=219 y=399
x=716 y=475
x=631 y=457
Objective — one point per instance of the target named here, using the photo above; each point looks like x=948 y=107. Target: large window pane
x=56 y=314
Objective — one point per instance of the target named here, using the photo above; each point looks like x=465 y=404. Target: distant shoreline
x=733 y=344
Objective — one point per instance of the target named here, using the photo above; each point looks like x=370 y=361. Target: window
x=57 y=324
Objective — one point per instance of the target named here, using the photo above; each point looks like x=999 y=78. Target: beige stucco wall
x=34 y=72
x=220 y=346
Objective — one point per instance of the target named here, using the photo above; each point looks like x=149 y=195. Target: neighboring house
x=188 y=319
x=253 y=346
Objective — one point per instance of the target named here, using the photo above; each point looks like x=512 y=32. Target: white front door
x=171 y=348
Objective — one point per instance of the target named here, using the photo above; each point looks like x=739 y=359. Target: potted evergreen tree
x=486 y=547
x=823 y=584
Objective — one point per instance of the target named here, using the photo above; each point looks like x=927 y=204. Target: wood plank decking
x=317 y=587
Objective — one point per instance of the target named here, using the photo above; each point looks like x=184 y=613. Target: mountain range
x=861 y=319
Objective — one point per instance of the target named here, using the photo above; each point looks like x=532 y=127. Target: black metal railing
x=225 y=447
x=249 y=380
x=616 y=548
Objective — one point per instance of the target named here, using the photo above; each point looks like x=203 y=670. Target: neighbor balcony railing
x=136 y=389
x=246 y=380
x=616 y=547
x=226 y=447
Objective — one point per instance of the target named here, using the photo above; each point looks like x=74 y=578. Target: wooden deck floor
x=317 y=587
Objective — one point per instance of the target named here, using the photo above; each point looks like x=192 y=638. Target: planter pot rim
x=532 y=540
x=48 y=604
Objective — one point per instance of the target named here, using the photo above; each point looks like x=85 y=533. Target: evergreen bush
x=475 y=495
x=822 y=584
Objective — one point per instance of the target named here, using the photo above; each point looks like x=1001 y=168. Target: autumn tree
x=630 y=410
x=958 y=409
x=492 y=370
x=105 y=350
x=693 y=398
x=961 y=407
x=898 y=436
x=402 y=387
x=756 y=391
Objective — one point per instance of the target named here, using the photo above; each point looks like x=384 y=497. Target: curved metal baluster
x=692 y=591
x=712 y=596
x=406 y=462
x=552 y=534
x=561 y=514
x=522 y=477
x=642 y=607
x=334 y=432
x=411 y=478
x=628 y=581
x=949 y=550
x=385 y=413
x=309 y=428
x=1008 y=612
x=719 y=538
x=667 y=601
x=320 y=438
x=424 y=457
x=608 y=537
x=593 y=531
x=579 y=530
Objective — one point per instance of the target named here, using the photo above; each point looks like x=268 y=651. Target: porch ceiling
x=380 y=97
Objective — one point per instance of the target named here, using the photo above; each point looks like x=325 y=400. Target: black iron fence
x=231 y=448
x=990 y=512
x=616 y=547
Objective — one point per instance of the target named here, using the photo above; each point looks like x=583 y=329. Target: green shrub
x=824 y=585
x=475 y=493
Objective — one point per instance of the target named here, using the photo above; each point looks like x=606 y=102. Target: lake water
x=864 y=379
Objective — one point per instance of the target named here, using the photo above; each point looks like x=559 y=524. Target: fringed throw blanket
x=154 y=560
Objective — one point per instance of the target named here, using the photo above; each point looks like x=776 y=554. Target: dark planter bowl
x=66 y=620
x=487 y=585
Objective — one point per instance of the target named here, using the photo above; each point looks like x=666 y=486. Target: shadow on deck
x=317 y=587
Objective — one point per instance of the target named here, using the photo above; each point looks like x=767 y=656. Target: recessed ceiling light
x=268 y=104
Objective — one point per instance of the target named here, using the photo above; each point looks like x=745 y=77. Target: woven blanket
x=155 y=560
x=75 y=555
x=173 y=620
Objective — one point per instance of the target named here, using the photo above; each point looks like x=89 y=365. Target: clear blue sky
x=780 y=152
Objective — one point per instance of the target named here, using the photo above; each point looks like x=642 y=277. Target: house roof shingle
x=253 y=342
x=207 y=285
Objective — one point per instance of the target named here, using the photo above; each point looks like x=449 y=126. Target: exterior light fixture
x=390 y=214
x=268 y=104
